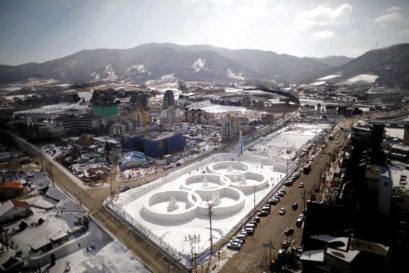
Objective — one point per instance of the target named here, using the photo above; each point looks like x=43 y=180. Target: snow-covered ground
x=363 y=78
x=288 y=140
x=395 y=132
x=216 y=108
x=318 y=83
x=171 y=210
x=329 y=77
x=113 y=257
x=396 y=174
x=191 y=231
x=198 y=65
x=91 y=250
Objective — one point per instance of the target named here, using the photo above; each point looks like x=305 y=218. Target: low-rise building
x=11 y=189
x=13 y=209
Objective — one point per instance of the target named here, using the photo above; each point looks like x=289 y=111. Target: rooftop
x=159 y=136
x=347 y=256
x=11 y=185
x=313 y=255
x=343 y=241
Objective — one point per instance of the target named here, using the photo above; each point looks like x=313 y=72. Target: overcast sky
x=46 y=29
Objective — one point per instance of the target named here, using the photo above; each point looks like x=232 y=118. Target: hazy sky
x=40 y=30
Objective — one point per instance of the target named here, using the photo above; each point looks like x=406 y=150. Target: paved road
x=254 y=256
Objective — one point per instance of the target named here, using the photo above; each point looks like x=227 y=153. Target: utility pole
x=270 y=246
x=51 y=174
x=209 y=213
x=254 y=196
x=114 y=159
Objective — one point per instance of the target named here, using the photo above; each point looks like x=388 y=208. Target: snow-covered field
x=329 y=77
x=171 y=211
x=186 y=226
x=216 y=108
x=113 y=257
x=363 y=78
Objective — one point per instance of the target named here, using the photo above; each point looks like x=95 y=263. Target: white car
x=282 y=211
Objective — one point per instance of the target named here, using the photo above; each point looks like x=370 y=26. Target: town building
x=103 y=104
x=10 y=189
x=13 y=209
x=168 y=99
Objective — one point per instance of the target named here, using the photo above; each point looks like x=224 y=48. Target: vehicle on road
x=289 y=231
x=262 y=213
x=294 y=206
x=285 y=244
x=237 y=240
x=280 y=253
x=288 y=183
x=250 y=225
x=282 y=211
x=307 y=168
x=273 y=201
x=301 y=185
x=242 y=236
x=234 y=246
x=249 y=231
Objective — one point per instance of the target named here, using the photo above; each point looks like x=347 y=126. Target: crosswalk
x=247 y=263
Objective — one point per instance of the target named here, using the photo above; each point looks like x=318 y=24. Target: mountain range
x=206 y=63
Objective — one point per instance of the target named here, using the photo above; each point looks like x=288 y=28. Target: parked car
x=257 y=219
x=237 y=240
x=273 y=201
x=301 y=185
x=242 y=236
x=285 y=244
x=299 y=222
x=262 y=213
x=267 y=208
x=249 y=231
x=296 y=175
x=250 y=225
x=280 y=253
x=234 y=246
x=288 y=183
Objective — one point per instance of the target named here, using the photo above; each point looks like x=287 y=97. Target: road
x=254 y=255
